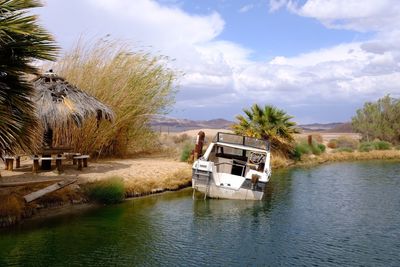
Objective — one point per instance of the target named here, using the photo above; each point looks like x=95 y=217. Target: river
x=342 y=214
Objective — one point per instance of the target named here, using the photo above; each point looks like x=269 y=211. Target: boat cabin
x=238 y=155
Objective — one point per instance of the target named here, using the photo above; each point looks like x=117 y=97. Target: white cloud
x=150 y=20
x=224 y=72
x=221 y=73
x=371 y=15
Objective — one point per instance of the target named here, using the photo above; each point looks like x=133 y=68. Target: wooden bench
x=9 y=162
x=82 y=159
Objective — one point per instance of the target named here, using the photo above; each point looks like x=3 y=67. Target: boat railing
x=234 y=139
x=232 y=164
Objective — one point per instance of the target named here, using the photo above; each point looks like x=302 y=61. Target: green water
x=345 y=214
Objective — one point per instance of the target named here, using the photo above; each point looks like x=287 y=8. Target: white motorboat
x=233 y=167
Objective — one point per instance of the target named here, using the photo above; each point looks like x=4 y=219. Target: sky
x=319 y=60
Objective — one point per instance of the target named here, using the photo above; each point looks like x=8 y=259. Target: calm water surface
x=345 y=214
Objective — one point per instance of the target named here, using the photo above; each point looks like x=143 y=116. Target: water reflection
x=331 y=215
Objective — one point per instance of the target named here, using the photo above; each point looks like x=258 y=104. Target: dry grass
x=13 y=207
x=279 y=161
x=350 y=156
x=135 y=85
x=173 y=181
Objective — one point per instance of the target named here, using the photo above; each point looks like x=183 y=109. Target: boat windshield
x=234 y=139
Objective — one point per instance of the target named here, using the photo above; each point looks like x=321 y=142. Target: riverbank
x=140 y=177
x=311 y=160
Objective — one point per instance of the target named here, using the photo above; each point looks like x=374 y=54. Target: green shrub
x=322 y=147
x=366 y=147
x=186 y=151
x=315 y=149
x=382 y=145
x=375 y=145
x=108 y=191
x=344 y=149
x=304 y=148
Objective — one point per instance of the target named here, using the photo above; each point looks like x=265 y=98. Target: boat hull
x=225 y=193
x=205 y=184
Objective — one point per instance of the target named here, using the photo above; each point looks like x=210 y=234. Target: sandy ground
x=326 y=136
x=125 y=168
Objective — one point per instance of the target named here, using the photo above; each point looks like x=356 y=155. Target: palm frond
x=22 y=41
x=268 y=123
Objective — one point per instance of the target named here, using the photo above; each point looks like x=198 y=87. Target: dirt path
x=124 y=168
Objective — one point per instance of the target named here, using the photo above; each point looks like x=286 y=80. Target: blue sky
x=319 y=60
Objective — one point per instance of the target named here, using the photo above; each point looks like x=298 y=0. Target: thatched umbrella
x=60 y=103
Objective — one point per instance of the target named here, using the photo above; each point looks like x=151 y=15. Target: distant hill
x=170 y=124
x=334 y=127
x=342 y=128
x=164 y=123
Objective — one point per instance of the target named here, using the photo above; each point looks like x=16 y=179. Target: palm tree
x=22 y=41
x=268 y=123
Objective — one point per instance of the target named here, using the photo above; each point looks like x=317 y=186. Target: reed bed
x=136 y=85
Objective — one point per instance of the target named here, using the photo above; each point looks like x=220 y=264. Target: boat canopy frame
x=240 y=140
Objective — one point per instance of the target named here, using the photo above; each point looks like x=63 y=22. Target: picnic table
x=47 y=155
x=61 y=153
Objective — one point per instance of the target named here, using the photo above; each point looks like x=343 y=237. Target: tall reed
x=136 y=85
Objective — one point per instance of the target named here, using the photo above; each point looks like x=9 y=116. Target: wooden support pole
x=79 y=164
x=59 y=164
x=17 y=162
x=35 y=167
x=310 y=140
x=198 y=150
x=6 y=164
x=85 y=162
x=10 y=164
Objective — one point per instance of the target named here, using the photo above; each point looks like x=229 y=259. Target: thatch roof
x=60 y=103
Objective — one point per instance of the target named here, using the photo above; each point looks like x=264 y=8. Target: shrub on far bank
x=304 y=148
x=322 y=147
x=186 y=151
x=347 y=142
x=109 y=191
x=366 y=147
x=375 y=145
x=382 y=145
